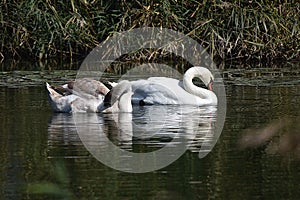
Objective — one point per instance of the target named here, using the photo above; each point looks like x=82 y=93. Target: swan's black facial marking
x=197 y=81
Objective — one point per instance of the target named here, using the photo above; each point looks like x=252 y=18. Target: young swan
x=88 y=96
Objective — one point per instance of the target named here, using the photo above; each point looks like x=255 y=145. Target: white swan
x=87 y=95
x=162 y=90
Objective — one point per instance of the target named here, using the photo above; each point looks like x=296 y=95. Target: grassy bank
x=231 y=30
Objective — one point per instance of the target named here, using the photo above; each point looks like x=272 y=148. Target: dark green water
x=39 y=147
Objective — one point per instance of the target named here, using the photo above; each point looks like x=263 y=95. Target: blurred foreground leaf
x=48 y=188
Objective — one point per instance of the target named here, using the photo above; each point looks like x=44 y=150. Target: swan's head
x=201 y=72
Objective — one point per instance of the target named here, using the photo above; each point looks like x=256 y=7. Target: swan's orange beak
x=210 y=86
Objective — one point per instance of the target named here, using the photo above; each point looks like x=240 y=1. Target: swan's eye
x=197 y=81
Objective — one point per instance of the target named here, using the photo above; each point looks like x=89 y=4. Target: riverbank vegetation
x=233 y=30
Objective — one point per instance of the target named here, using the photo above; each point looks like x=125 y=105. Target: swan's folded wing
x=152 y=93
x=87 y=86
x=163 y=90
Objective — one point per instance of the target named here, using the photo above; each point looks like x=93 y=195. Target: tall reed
x=230 y=30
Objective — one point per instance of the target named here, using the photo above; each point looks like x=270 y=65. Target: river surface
x=46 y=155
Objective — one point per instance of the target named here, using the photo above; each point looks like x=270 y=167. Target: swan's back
x=163 y=90
x=157 y=90
x=87 y=86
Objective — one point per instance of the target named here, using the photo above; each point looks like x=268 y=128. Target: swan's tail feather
x=52 y=93
x=54 y=97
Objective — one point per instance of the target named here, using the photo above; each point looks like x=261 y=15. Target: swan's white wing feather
x=163 y=90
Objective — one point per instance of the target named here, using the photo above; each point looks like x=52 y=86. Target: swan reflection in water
x=146 y=129
x=280 y=136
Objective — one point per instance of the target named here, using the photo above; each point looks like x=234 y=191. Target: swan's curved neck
x=125 y=102
x=189 y=85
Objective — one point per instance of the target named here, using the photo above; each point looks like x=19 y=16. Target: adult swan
x=163 y=90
